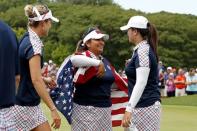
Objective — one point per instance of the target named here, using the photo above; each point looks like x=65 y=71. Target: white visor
x=46 y=16
x=95 y=35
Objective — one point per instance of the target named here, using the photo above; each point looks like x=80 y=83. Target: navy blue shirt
x=30 y=45
x=97 y=91
x=143 y=56
x=8 y=65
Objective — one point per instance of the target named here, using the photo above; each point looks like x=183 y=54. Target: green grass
x=179 y=118
x=178 y=114
x=184 y=100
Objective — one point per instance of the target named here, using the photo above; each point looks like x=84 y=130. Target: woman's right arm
x=39 y=85
x=84 y=61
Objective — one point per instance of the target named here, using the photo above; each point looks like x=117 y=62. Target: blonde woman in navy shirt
x=27 y=112
x=144 y=109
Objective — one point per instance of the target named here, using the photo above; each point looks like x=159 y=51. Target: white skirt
x=28 y=117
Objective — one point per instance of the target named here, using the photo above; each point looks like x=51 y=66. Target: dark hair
x=151 y=36
x=90 y=29
x=81 y=47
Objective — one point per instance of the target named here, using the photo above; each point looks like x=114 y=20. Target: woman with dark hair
x=144 y=109
x=27 y=112
x=92 y=103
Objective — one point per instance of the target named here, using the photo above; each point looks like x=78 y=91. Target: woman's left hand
x=50 y=82
x=101 y=70
x=126 y=121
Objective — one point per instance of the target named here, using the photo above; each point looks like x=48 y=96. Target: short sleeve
x=32 y=49
x=143 y=59
x=29 y=52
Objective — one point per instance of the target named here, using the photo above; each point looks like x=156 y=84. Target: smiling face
x=96 y=46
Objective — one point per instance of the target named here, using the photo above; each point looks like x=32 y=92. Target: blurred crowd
x=172 y=81
x=50 y=69
x=177 y=81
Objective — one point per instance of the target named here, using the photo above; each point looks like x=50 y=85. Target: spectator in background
x=174 y=71
x=160 y=67
x=170 y=85
x=166 y=74
x=168 y=71
x=161 y=83
x=185 y=71
x=53 y=71
x=9 y=74
x=180 y=83
x=45 y=70
x=50 y=66
x=191 y=81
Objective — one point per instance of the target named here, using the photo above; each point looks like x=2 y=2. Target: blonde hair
x=30 y=13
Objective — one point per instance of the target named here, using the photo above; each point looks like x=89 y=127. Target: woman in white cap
x=32 y=87
x=143 y=110
x=92 y=103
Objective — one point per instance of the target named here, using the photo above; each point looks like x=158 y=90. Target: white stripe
x=117 y=117
x=126 y=84
x=115 y=94
x=118 y=106
x=80 y=71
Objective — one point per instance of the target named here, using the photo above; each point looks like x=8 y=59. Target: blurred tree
x=87 y=2
x=177 y=33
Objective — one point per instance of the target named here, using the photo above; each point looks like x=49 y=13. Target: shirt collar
x=34 y=38
x=140 y=44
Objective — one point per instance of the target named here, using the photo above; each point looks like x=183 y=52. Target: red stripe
x=119 y=100
x=118 y=111
x=116 y=123
x=119 y=81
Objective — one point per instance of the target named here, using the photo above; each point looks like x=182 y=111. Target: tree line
x=177 y=32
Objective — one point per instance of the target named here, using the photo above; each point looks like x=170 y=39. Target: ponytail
x=153 y=38
x=81 y=47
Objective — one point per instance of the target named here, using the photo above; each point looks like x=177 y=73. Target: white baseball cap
x=45 y=63
x=95 y=34
x=50 y=61
x=46 y=16
x=136 y=22
x=169 y=68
